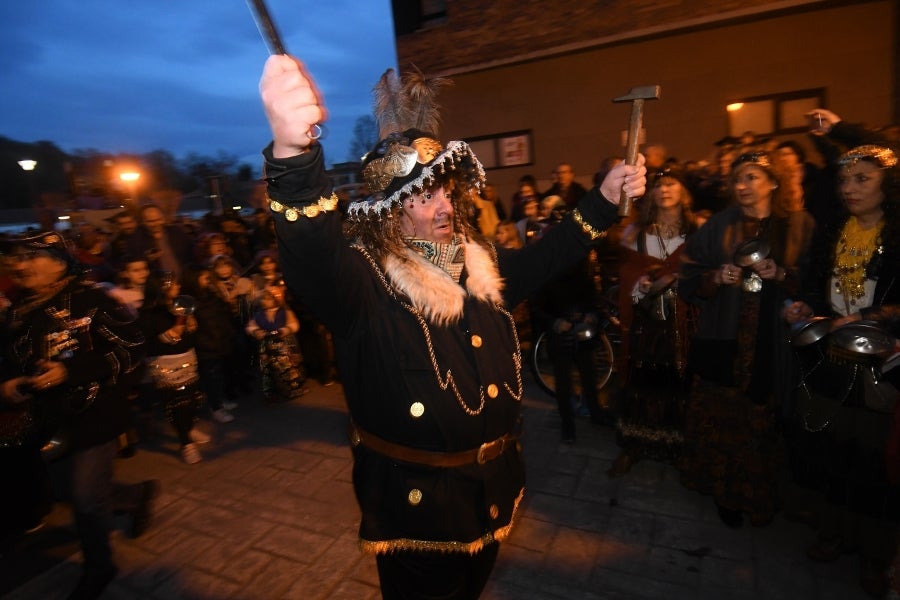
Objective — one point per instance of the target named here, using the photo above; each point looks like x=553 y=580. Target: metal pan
x=811 y=331
x=863 y=339
x=751 y=252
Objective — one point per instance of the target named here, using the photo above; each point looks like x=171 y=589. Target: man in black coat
x=418 y=306
x=70 y=354
x=166 y=246
x=565 y=186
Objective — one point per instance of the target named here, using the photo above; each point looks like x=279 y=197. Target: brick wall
x=484 y=31
x=564 y=98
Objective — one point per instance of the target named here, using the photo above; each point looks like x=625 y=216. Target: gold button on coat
x=417 y=409
x=492 y=391
x=415 y=496
x=476 y=341
x=495 y=511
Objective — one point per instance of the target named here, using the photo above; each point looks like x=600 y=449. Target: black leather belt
x=487 y=452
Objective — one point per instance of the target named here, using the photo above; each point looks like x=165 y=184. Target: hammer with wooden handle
x=636 y=96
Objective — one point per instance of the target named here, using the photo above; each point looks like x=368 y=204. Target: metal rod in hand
x=266 y=26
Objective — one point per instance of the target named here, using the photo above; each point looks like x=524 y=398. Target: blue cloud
x=178 y=76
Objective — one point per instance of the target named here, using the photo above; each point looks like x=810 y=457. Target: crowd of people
x=105 y=335
x=759 y=314
x=758 y=305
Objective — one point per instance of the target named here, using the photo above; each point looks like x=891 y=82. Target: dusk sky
x=180 y=76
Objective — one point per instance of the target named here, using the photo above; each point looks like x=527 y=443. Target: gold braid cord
x=593 y=232
x=448 y=382
x=473 y=547
x=499 y=534
x=309 y=211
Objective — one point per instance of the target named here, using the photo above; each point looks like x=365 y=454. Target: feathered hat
x=410 y=158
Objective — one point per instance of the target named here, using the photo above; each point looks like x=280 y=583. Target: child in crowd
x=507 y=235
x=237 y=291
x=215 y=340
x=266 y=271
x=170 y=330
x=275 y=327
x=132 y=276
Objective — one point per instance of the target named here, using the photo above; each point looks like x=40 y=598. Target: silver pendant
x=753 y=283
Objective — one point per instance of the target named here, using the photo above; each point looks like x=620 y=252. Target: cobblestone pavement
x=270 y=513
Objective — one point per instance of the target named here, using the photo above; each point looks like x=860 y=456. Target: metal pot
x=811 y=331
x=751 y=252
x=863 y=340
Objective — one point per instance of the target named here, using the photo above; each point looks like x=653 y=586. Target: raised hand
x=292 y=103
x=632 y=179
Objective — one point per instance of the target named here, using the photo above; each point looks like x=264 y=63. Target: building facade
x=534 y=80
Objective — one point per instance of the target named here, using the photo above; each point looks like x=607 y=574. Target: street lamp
x=28 y=165
x=130 y=179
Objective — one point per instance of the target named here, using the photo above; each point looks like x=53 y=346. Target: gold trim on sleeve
x=593 y=232
x=309 y=211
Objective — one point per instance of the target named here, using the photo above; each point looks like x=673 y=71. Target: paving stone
x=189 y=583
x=299 y=545
x=572 y=553
x=727 y=573
x=532 y=534
x=270 y=514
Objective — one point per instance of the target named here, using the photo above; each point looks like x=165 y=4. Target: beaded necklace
x=855 y=249
x=665 y=233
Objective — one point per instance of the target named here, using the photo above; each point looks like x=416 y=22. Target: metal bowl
x=864 y=340
x=811 y=331
x=751 y=252
x=183 y=305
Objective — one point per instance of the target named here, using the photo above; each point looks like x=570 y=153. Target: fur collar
x=434 y=293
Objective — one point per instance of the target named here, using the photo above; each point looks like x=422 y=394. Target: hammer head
x=643 y=92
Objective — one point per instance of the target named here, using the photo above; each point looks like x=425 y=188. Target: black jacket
x=101 y=346
x=418 y=374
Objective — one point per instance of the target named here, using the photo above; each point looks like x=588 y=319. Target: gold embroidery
x=593 y=232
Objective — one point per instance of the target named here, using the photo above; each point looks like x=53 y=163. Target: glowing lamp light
x=27 y=164
x=734 y=106
x=129 y=176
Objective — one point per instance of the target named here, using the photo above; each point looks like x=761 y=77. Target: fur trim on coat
x=434 y=293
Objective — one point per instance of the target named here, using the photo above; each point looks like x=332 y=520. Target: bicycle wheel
x=542 y=365
x=604 y=359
